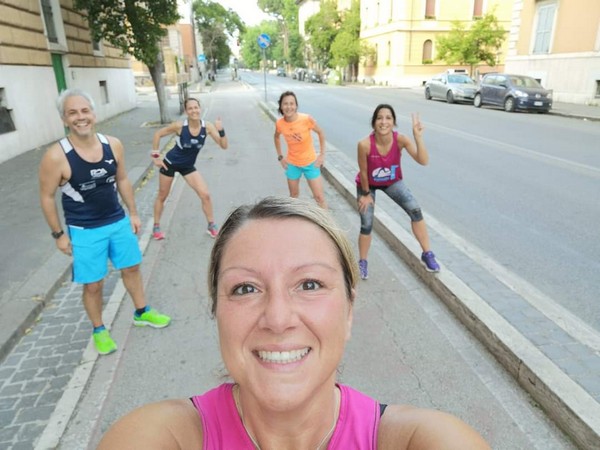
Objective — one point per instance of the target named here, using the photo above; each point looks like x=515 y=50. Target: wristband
x=279 y=157
x=155 y=154
x=222 y=133
x=365 y=193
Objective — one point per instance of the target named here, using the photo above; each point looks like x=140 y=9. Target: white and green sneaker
x=151 y=318
x=104 y=343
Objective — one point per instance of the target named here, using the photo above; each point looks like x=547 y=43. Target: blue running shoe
x=428 y=259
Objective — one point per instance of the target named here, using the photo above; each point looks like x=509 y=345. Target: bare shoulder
x=165 y=425
x=54 y=159
x=114 y=142
x=54 y=153
x=117 y=148
x=403 y=141
x=409 y=428
x=364 y=145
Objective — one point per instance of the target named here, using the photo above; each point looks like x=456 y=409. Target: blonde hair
x=282 y=208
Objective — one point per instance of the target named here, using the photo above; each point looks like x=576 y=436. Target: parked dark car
x=513 y=92
x=452 y=87
x=281 y=72
x=313 y=77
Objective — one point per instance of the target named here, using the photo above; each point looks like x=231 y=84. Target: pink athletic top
x=383 y=170
x=356 y=427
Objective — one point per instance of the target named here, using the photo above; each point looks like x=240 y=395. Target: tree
x=347 y=49
x=322 y=28
x=215 y=24
x=286 y=14
x=480 y=43
x=252 y=54
x=135 y=27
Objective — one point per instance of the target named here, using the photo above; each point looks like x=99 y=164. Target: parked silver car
x=452 y=87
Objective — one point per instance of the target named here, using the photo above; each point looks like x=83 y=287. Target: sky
x=248 y=10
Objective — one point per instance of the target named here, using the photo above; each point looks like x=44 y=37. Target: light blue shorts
x=295 y=172
x=93 y=247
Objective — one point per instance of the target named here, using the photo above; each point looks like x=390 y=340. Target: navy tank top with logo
x=186 y=148
x=89 y=197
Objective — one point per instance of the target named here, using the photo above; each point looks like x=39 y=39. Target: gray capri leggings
x=398 y=192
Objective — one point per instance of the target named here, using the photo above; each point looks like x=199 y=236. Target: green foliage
x=322 y=28
x=296 y=52
x=480 y=43
x=285 y=12
x=211 y=14
x=133 y=26
x=216 y=24
x=346 y=48
x=252 y=54
x=282 y=10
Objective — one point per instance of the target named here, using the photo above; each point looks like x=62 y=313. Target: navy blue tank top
x=186 y=148
x=89 y=198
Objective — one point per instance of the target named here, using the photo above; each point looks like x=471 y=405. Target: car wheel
x=427 y=94
x=450 y=97
x=477 y=101
x=509 y=104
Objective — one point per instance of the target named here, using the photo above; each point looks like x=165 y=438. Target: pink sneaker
x=157 y=234
x=212 y=230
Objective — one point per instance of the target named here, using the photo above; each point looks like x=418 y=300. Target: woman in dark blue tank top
x=190 y=137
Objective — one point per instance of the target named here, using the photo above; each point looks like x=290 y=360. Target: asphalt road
x=406 y=347
x=521 y=189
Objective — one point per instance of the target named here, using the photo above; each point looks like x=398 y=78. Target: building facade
x=402 y=35
x=179 y=49
x=45 y=47
x=558 y=43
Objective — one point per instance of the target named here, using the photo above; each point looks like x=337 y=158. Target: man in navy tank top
x=89 y=169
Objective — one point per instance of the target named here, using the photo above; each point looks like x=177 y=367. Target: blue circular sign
x=264 y=40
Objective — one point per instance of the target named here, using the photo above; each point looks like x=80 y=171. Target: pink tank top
x=356 y=427
x=383 y=170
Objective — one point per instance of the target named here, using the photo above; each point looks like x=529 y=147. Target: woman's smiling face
x=283 y=312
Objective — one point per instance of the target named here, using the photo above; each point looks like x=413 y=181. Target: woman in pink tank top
x=282 y=280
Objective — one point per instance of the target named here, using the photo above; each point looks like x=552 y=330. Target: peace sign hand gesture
x=417 y=126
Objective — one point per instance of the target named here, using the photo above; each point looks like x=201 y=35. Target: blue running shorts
x=93 y=247
x=295 y=172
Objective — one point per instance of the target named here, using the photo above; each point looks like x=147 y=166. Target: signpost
x=264 y=40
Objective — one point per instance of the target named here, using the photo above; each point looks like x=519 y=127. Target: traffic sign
x=264 y=40
x=201 y=58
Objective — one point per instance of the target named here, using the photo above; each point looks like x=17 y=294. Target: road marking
x=515 y=149
x=566 y=320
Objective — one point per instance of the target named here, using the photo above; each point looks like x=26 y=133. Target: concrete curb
x=566 y=402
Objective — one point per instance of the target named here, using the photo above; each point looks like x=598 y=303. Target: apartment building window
x=545 y=24
x=49 y=21
x=597 y=88
x=477 y=8
x=104 y=92
x=6 y=122
x=389 y=53
x=430 y=9
x=427 y=52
